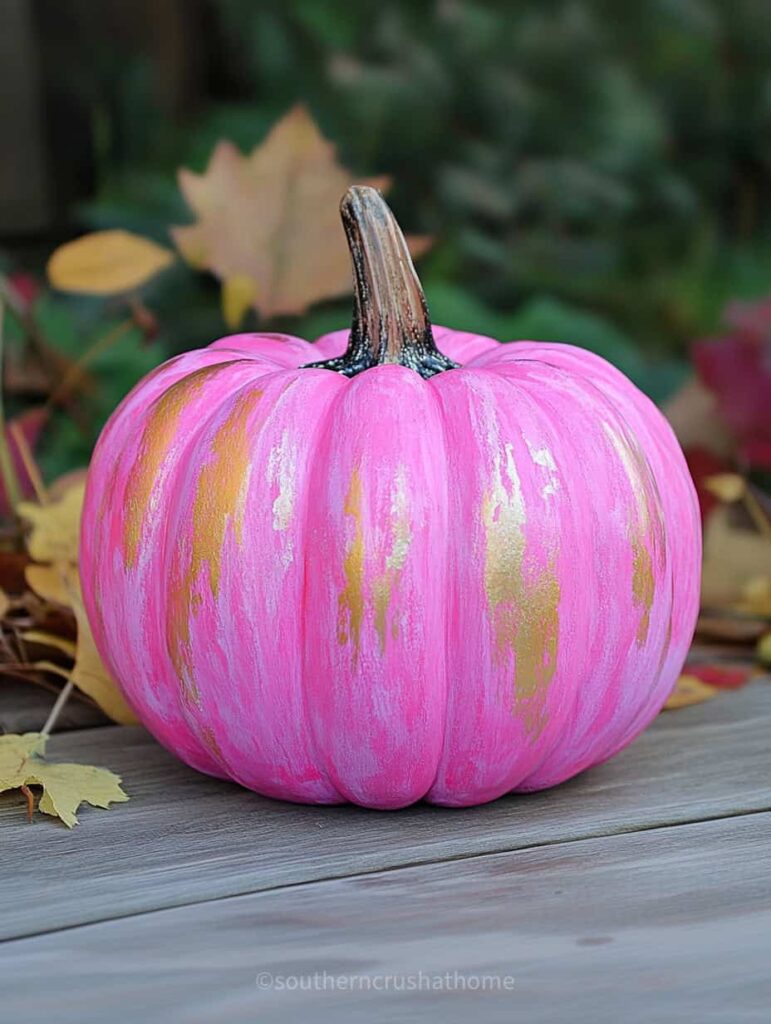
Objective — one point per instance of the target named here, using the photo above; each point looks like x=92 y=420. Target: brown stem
x=390 y=317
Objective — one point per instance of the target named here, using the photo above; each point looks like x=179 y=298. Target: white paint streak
x=544 y=458
x=282 y=472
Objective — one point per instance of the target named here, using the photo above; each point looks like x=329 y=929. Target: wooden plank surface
x=665 y=925
x=186 y=838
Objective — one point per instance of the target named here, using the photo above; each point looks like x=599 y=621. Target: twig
x=54 y=364
x=61 y=700
x=74 y=375
x=7 y=468
x=28 y=461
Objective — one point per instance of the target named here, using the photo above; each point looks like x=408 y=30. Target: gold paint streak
x=351 y=600
x=219 y=501
x=159 y=434
x=181 y=604
x=643 y=586
x=221 y=490
x=648 y=523
x=524 y=608
x=210 y=741
x=395 y=559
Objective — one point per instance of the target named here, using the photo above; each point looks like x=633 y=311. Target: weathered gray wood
x=185 y=838
x=25 y=708
x=667 y=925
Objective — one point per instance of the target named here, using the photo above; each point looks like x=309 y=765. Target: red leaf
x=717 y=675
x=30 y=423
x=703 y=464
x=737 y=369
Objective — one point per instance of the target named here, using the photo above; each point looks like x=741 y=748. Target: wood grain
x=187 y=838
x=664 y=925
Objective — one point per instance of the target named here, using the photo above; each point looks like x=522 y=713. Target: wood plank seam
x=427 y=862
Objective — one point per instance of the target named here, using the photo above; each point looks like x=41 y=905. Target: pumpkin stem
x=390 y=317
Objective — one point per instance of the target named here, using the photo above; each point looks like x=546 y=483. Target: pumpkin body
x=386 y=588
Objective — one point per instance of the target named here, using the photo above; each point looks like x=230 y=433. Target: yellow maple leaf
x=65 y=786
x=55 y=526
x=268 y=223
x=107 y=263
x=53 y=539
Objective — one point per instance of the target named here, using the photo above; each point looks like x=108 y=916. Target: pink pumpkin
x=422 y=576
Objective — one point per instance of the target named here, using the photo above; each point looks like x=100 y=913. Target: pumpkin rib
x=646 y=422
x=233 y=703
x=488 y=515
x=102 y=560
x=374 y=569
x=642 y=713
x=606 y=687
x=179 y=615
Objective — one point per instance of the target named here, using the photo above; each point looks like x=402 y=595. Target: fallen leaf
x=692 y=412
x=54 y=539
x=733 y=556
x=63 y=483
x=763 y=650
x=60 y=643
x=48 y=582
x=689 y=690
x=107 y=263
x=730 y=627
x=727 y=487
x=61 y=584
x=721 y=676
x=55 y=527
x=271 y=219
x=65 y=786
x=29 y=423
x=89 y=673
x=5 y=603
x=12 y=566
x=756 y=597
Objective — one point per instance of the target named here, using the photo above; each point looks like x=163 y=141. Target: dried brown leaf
x=268 y=223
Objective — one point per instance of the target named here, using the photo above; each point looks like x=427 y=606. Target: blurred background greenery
x=592 y=171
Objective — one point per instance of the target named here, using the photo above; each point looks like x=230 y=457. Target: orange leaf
x=271 y=219
x=689 y=690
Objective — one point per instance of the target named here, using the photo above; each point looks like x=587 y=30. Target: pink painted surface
x=385 y=589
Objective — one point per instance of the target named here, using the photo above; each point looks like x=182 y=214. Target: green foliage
x=578 y=149
x=593 y=172
x=72 y=328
